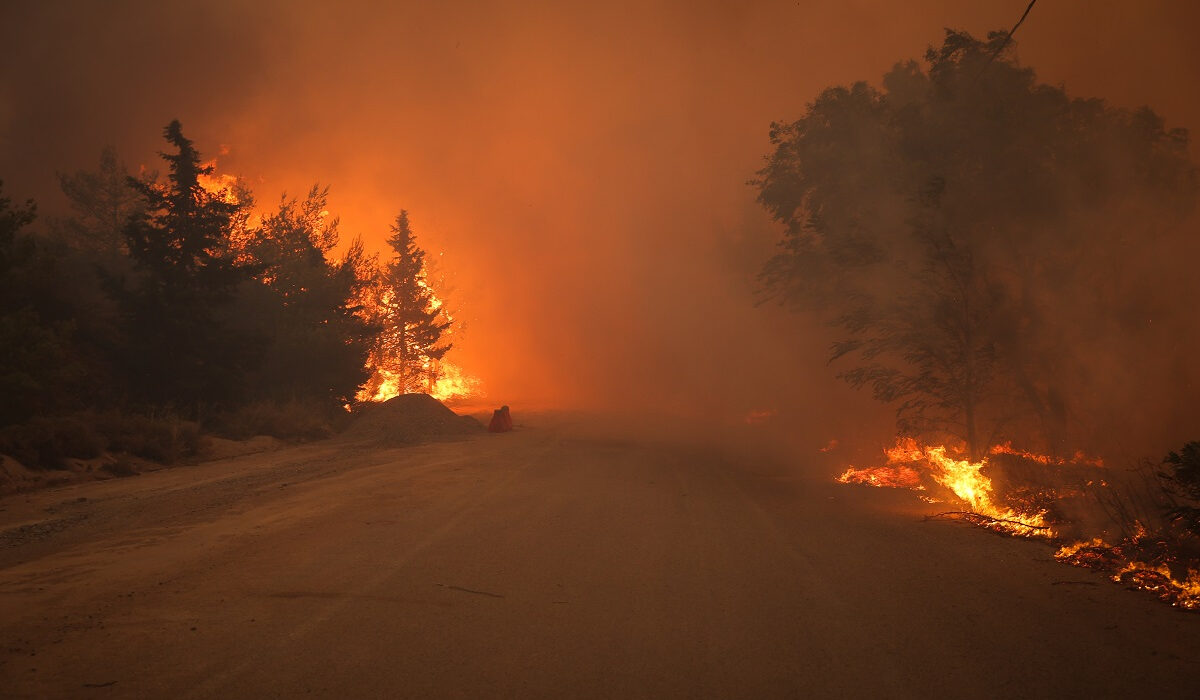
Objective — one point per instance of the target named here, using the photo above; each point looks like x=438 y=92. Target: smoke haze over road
x=582 y=166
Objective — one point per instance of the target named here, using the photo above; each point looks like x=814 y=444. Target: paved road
x=547 y=563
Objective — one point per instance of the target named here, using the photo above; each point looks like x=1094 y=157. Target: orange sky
x=581 y=165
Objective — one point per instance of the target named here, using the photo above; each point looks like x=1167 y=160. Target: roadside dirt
x=555 y=561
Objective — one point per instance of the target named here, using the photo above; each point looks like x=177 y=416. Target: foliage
x=1183 y=473
x=160 y=436
x=304 y=305
x=947 y=223
x=102 y=203
x=180 y=346
x=46 y=441
x=36 y=367
x=159 y=304
x=286 y=420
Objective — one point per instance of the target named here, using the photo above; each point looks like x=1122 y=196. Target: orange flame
x=1158 y=580
x=889 y=477
x=449 y=381
x=223 y=186
x=962 y=477
x=1079 y=458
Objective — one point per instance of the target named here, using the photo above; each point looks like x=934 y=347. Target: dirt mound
x=409 y=419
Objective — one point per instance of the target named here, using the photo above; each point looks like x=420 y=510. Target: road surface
x=545 y=563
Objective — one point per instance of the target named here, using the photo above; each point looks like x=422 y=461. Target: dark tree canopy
x=954 y=221
x=182 y=347
x=102 y=203
x=304 y=304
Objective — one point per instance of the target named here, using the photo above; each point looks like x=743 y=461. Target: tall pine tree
x=181 y=349
x=407 y=352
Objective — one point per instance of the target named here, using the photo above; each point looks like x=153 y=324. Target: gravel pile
x=410 y=419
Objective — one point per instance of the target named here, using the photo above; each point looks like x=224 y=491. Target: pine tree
x=410 y=344
x=102 y=203
x=36 y=362
x=180 y=347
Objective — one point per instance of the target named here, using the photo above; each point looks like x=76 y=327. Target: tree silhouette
x=102 y=203
x=36 y=363
x=954 y=221
x=316 y=344
x=412 y=325
x=180 y=345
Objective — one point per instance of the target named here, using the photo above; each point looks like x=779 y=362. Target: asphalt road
x=548 y=562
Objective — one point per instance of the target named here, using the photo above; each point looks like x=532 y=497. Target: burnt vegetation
x=167 y=308
x=1006 y=264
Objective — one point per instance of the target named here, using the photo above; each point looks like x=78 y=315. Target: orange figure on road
x=501 y=421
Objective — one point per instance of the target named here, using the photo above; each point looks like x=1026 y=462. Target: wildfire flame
x=1159 y=580
x=889 y=477
x=221 y=185
x=449 y=380
x=451 y=383
x=1079 y=458
x=909 y=462
x=1182 y=590
x=907 y=459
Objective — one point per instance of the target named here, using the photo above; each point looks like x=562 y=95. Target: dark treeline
x=171 y=296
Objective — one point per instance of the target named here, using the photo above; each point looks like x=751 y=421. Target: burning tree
x=955 y=222
x=406 y=355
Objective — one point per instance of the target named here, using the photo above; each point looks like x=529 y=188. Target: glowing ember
x=223 y=186
x=1159 y=581
x=760 y=415
x=1067 y=551
x=1124 y=563
x=1078 y=458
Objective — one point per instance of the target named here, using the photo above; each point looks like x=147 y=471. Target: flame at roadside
x=1180 y=588
x=908 y=460
x=1142 y=560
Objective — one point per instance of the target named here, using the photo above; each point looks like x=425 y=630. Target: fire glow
x=907 y=460
x=1180 y=588
x=449 y=381
x=1139 y=561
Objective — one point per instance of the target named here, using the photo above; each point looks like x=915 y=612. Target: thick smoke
x=582 y=166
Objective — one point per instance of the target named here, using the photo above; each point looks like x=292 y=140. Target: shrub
x=45 y=442
x=287 y=420
x=163 y=438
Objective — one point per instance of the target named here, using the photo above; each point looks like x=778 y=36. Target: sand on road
x=549 y=562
